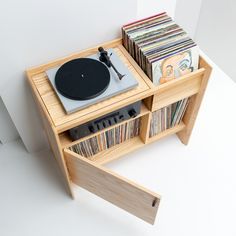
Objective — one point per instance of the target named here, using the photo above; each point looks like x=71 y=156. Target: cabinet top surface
x=50 y=104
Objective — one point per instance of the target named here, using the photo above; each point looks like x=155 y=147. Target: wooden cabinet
x=116 y=189
x=89 y=173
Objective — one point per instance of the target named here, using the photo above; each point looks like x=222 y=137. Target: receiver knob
x=132 y=113
x=91 y=128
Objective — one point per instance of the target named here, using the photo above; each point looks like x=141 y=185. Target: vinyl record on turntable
x=103 y=84
x=82 y=79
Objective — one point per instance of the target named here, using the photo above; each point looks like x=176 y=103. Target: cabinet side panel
x=53 y=139
x=194 y=104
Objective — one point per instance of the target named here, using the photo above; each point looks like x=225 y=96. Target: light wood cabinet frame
x=91 y=174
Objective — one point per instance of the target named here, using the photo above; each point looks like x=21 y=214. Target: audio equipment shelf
x=66 y=141
x=90 y=173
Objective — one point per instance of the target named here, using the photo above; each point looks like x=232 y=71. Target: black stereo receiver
x=105 y=121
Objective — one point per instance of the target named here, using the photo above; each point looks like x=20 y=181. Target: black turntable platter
x=82 y=79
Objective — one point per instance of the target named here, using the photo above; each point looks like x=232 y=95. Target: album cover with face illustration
x=161 y=48
x=174 y=66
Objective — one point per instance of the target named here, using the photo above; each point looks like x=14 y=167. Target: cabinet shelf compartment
x=167 y=132
x=101 y=146
x=112 y=187
x=128 y=146
x=167 y=120
x=66 y=141
x=117 y=151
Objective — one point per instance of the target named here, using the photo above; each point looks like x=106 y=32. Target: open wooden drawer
x=112 y=187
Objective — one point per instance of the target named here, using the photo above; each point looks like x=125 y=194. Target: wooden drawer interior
x=117 y=150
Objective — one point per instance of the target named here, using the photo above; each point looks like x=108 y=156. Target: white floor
x=197 y=183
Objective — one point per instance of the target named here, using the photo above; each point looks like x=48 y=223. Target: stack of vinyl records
x=107 y=139
x=167 y=117
x=161 y=48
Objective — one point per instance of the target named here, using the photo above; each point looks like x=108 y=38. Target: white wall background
x=35 y=32
x=187 y=15
x=216 y=33
x=152 y=7
x=8 y=130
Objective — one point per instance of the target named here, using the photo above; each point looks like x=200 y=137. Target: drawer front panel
x=108 y=185
x=178 y=89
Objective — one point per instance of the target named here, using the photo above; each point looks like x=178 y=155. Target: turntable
x=82 y=82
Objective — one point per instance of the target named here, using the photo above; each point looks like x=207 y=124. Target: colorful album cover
x=175 y=66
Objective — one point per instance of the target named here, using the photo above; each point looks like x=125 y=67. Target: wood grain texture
x=148 y=102
x=135 y=65
x=66 y=141
x=194 y=104
x=119 y=191
x=145 y=127
x=62 y=121
x=42 y=68
x=91 y=175
x=178 y=89
x=53 y=138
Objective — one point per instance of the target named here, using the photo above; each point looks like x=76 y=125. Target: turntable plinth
x=90 y=173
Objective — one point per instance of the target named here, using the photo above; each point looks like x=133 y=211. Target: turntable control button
x=121 y=117
x=132 y=113
x=104 y=124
